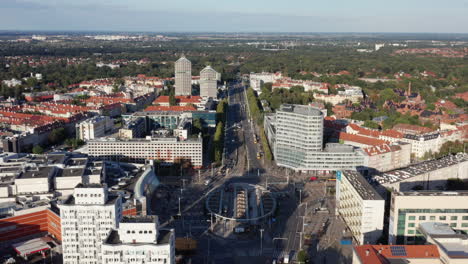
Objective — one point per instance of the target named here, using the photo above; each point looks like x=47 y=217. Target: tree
x=302 y=256
x=218 y=142
x=56 y=136
x=371 y=124
x=172 y=100
x=197 y=126
x=37 y=149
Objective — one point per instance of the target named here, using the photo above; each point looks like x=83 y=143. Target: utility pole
x=199 y=176
x=261 y=240
x=300 y=196
x=180 y=213
x=183 y=183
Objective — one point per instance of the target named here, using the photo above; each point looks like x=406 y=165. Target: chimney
x=367 y=252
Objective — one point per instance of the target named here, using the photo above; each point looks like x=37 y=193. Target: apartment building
x=411 y=209
x=139 y=240
x=134 y=128
x=183 y=76
x=168 y=150
x=87 y=218
x=94 y=127
x=258 y=79
x=360 y=206
x=208 y=83
x=298 y=142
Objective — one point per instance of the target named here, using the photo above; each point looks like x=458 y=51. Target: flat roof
x=31 y=246
x=360 y=184
x=37 y=172
x=452 y=242
x=420 y=168
x=432 y=193
x=164 y=236
x=138 y=219
x=110 y=200
x=71 y=172
x=90 y=185
x=301 y=109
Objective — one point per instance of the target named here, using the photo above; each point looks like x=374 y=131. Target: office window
x=464 y=224
x=453 y=224
x=432 y=217
x=465 y=217
x=422 y=217
x=411 y=225
x=411 y=217
x=454 y=217
x=411 y=232
x=442 y=218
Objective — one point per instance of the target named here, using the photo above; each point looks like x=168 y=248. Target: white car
x=207 y=181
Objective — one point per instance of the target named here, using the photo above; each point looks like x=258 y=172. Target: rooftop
x=420 y=168
x=164 y=236
x=139 y=219
x=71 y=172
x=36 y=172
x=301 y=109
x=432 y=193
x=383 y=254
x=452 y=242
x=365 y=190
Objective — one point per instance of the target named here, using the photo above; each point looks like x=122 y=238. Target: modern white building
x=168 y=150
x=298 y=142
x=452 y=244
x=94 y=127
x=139 y=240
x=87 y=218
x=208 y=83
x=257 y=79
x=408 y=210
x=35 y=180
x=360 y=206
x=183 y=76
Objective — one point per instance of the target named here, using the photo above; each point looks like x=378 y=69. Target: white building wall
x=32 y=185
x=86 y=223
x=183 y=76
x=420 y=205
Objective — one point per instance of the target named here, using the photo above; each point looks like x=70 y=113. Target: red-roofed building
x=389 y=254
x=176 y=108
x=181 y=101
x=412 y=129
x=463 y=96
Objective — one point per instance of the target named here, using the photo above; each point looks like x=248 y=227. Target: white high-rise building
x=298 y=143
x=208 y=82
x=93 y=128
x=183 y=76
x=139 y=240
x=87 y=218
x=360 y=206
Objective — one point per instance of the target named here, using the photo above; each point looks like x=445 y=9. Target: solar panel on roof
x=398 y=251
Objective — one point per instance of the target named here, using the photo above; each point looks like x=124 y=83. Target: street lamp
x=261 y=240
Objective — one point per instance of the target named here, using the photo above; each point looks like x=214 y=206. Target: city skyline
x=305 y=16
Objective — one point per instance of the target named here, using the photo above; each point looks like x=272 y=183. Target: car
x=207 y=181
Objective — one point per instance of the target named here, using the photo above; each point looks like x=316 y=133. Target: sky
x=433 y=16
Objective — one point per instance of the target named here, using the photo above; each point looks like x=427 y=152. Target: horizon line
x=223 y=32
